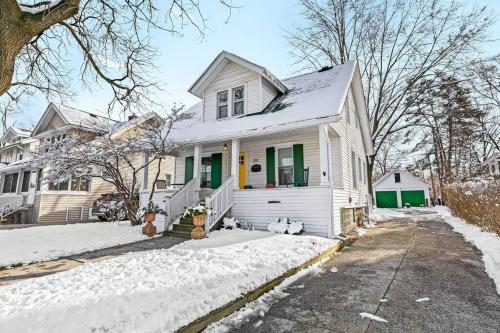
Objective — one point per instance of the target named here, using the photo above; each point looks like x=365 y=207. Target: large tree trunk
x=18 y=28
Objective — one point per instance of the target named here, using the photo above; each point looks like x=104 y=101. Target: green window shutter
x=216 y=170
x=270 y=166
x=188 y=169
x=298 y=164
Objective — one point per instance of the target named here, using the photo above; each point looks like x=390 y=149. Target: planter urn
x=198 y=232
x=149 y=229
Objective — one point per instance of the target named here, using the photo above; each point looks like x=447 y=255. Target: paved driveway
x=399 y=261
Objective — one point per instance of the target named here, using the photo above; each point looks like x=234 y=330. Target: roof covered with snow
x=311 y=99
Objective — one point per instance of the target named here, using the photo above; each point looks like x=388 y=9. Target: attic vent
x=326 y=68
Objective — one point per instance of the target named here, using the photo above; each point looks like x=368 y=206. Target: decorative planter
x=149 y=229
x=198 y=232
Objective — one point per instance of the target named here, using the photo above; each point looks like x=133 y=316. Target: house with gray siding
x=257 y=147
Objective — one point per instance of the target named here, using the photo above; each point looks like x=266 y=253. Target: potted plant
x=198 y=213
x=149 y=212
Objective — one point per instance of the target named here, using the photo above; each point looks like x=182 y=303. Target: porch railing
x=185 y=197
x=219 y=203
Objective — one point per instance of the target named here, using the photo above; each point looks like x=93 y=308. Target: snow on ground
x=261 y=305
x=372 y=317
x=385 y=213
x=152 y=291
x=487 y=242
x=225 y=237
x=23 y=246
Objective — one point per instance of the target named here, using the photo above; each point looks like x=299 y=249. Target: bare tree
x=113 y=36
x=119 y=155
x=397 y=45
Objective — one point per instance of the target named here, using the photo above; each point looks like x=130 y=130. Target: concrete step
x=186 y=220
x=183 y=227
x=181 y=234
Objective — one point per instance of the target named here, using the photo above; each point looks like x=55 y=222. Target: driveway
x=398 y=262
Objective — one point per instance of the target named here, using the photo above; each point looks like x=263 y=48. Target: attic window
x=397 y=177
x=222 y=105
x=238 y=100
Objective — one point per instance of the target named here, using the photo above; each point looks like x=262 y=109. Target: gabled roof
x=218 y=64
x=312 y=99
x=72 y=117
x=15 y=131
x=384 y=177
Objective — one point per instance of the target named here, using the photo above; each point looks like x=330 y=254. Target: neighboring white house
x=258 y=148
x=493 y=164
x=399 y=188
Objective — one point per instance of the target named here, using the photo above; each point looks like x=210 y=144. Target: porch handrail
x=219 y=203
x=186 y=196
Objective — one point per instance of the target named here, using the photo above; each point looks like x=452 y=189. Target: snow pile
x=23 y=246
x=372 y=317
x=487 y=242
x=286 y=226
x=231 y=223
x=386 y=213
x=151 y=291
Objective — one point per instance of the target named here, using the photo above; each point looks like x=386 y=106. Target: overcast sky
x=255 y=32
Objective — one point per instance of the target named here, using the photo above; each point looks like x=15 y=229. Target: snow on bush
x=286 y=226
x=152 y=291
x=477 y=202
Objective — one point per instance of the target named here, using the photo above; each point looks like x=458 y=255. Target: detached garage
x=398 y=188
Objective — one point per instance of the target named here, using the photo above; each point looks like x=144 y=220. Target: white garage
x=399 y=188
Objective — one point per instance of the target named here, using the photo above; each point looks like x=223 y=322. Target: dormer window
x=222 y=104
x=238 y=101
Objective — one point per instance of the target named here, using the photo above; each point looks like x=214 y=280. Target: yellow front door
x=243 y=169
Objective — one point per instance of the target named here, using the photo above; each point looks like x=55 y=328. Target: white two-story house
x=258 y=147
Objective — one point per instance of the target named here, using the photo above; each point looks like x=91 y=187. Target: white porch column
x=235 y=162
x=324 y=144
x=19 y=181
x=197 y=164
x=145 y=172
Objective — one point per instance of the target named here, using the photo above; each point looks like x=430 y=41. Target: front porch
x=260 y=178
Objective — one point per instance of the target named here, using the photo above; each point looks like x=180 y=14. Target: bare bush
x=477 y=202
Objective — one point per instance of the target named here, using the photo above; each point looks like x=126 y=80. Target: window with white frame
x=354 y=173
x=285 y=166
x=238 y=101
x=360 y=171
x=168 y=179
x=222 y=104
x=76 y=184
x=10 y=183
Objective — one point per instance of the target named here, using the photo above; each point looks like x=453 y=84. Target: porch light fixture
x=225 y=146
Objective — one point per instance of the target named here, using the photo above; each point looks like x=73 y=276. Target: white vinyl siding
x=350 y=141
x=268 y=93
x=306 y=204
x=232 y=76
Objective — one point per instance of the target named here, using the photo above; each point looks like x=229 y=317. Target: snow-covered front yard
x=154 y=291
x=23 y=246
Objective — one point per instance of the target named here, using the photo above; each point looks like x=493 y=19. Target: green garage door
x=386 y=199
x=414 y=198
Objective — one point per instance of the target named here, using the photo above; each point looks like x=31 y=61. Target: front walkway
x=8 y=276
x=400 y=261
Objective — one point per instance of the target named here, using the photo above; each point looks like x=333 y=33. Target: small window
x=397 y=177
x=62 y=186
x=285 y=166
x=80 y=184
x=354 y=173
x=105 y=175
x=26 y=181
x=168 y=179
x=10 y=183
x=238 y=101
x=222 y=104
x=360 y=171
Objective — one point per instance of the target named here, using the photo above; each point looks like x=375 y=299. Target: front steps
x=182 y=229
